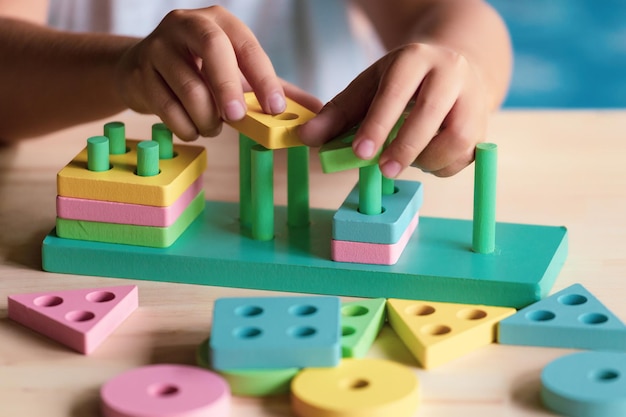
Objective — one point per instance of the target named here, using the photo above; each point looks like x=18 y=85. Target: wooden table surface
x=555 y=168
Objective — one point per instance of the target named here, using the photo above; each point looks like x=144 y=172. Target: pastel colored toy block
x=337 y=155
x=571 y=318
x=125 y=213
x=438 y=263
x=252 y=382
x=122 y=185
x=586 y=384
x=372 y=253
x=386 y=228
x=361 y=322
x=272 y=131
x=80 y=319
x=128 y=234
x=357 y=387
x=275 y=332
x=437 y=333
x=166 y=390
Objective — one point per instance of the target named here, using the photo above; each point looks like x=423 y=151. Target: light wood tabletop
x=555 y=168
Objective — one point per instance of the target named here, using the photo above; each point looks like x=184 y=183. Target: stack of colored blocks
x=143 y=193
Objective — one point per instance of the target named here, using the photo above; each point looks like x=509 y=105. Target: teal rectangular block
x=275 y=332
x=438 y=263
x=386 y=228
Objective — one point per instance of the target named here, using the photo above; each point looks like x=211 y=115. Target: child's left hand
x=448 y=117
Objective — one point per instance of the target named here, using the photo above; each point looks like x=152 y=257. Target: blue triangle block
x=571 y=318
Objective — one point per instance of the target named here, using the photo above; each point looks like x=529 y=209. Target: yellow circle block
x=357 y=387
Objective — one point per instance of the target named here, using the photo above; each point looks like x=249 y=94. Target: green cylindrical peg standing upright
x=262 y=190
x=370 y=190
x=245 y=192
x=98 y=154
x=163 y=136
x=298 y=186
x=147 y=158
x=485 y=174
x=388 y=185
x=116 y=132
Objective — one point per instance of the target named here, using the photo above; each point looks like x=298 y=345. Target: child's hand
x=191 y=71
x=448 y=118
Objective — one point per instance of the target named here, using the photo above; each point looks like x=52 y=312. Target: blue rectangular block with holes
x=275 y=332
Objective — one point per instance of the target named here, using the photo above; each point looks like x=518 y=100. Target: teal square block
x=386 y=228
x=275 y=332
x=438 y=263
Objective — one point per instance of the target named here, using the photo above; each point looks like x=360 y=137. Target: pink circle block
x=166 y=391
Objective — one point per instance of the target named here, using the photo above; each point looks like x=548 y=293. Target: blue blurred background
x=568 y=53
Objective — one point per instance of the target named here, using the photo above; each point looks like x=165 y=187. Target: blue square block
x=275 y=332
x=385 y=228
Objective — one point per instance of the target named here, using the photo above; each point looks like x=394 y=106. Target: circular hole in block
x=163 y=390
x=303 y=310
x=436 y=329
x=301 y=331
x=421 y=310
x=347 y=330
x=572 y=299
x=382 y=210
x=540 y=315
x=354 y=383
x=247 y=332
x=286 y=116
x=471 y=314
x=248 y=311
x=604 y=375
x=47 y=301
x=100 y=296
x=593 y=318
x=79 y=316
x=354 y=311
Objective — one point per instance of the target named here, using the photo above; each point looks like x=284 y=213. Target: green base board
x=437 y=264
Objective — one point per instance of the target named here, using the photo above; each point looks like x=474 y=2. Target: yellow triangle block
x=437 y=332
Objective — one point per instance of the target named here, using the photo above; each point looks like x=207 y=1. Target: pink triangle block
x=80 y=319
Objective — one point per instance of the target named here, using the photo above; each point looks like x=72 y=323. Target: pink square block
x=80 y=319
x=126 y=213
x=372 y=253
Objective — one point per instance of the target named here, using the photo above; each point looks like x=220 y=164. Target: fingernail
x=364 y=149
x=277 y=103
x=391 y=169
x=234 y=110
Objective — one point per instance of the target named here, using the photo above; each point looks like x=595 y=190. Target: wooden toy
x=361 y=322
x=275 y=332
x=586 y=384
x=357 y=387
x=571 y=318
x=437 y=333
x=80 y=319
x=166 y=391
x=289 y=248
x=125 y=213
x=250 y=382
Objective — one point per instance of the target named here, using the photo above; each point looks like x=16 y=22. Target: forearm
x=50 y=79
x=471 y=28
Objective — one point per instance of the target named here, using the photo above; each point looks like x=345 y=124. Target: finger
x=343 y=112
x=185 y=80
x=396 y=88
x=435 y=98
x=254 y=63
x=302 y=97
x=166 y=106
x=457 y=166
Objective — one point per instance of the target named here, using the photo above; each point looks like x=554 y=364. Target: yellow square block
x=273 y=131
x=121 y=184
x=437 y=332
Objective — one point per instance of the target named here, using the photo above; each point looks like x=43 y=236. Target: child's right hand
x=191 y=71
